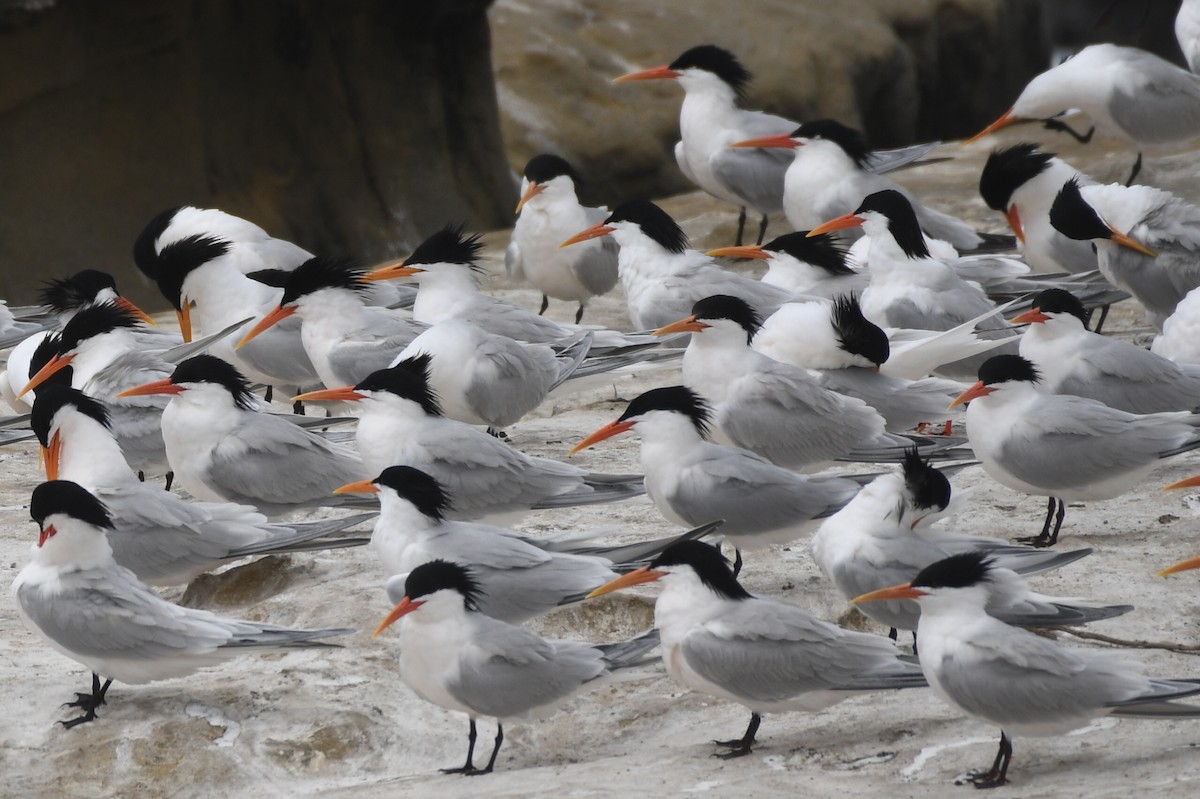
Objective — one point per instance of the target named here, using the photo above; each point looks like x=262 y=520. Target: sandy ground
x=341 y=724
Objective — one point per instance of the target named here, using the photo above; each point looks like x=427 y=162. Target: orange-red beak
x=837 y=223
x=360 y=487
x=390 y=271
x=45 y=535
x=1120 y=238
x=164 y=386
x=56 y=364
x=532 y=191
x=51 y=455
x=129 y=307
x=1182 y=566
x=1032 y=316
x=401 y=610
x=608 y=431
x=594 y=232
x=276 y=316
x=902 y=591
x=1190 y=482
x=636 y=577
x=653 y=73
x=340 y=394
x=1006 y=119
x=782 y=141
x=754 y=251
x=184 y=315
x=687 y=325
x=974 y=392
x=1014 y=222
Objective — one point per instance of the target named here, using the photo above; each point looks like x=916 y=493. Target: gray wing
x=505 y=319
x=1131 y=379
x=136 y=421
x=596 y=267
x=374 y=348
x=755 y=175
x=1155 y=101
x=510 y=379
x=903 y=404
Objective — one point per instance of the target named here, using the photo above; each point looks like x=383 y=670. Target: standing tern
x=1126 y=92
x=458 y=658
x=160 y=537
x=810 y=265
x=97 y=613
x=223 y=448
x=550 y=212
x=1025 y=683
x=1147 y=240
x=1061 y=446
x=519 y=578
x=661 y=276
x=401 y=422
x=1073 y=360
x=719 y=639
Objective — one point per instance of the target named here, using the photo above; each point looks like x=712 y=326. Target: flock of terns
x=860 y=343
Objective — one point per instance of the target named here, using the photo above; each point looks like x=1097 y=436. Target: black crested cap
x=70 y=499
x=719 y=62
x=145 y=253
x=1060 y=301
x=76 y=291
x=544 y=167
x=1008 y=169
x=424 y=492
x=723 y=306
x=450 y=245
x=708 y=563
x=928 y=487
x=438 y=575
x=275 y=278
x=53 y=398
x=850 y=140
x=857 y=334
x=95 y=321
x=956 y=571
x=654 y=222
x=408 y=379
x=1074 y=218
x=902 y=220
x=1000 y=368
x=323 y=272
x=821 y=251
x=211 y=369
x=678 y=399
x=179 y=258
x=43 y=354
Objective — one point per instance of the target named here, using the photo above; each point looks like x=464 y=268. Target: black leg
x=141 y=476
x=1137 y=167
x=1063 y=127
x=495 y=751
x=545 y=305
x=999 y=772
x=270 y=393
x=298 y=408
x=741 y=225
x=737 y=562
x=470 y=766
x=496 y=432
x=1058 y=521
x=893 y=633
x=1103 y=317
x=88 y=702
x=1045 y=539
x=170 y=480
x=762 y=229
x=740 y=747
x=914 y=643
x=579 y=314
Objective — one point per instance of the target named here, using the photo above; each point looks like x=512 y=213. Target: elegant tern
x=815 y=266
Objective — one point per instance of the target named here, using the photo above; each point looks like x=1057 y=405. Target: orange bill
x=129 y=307
x=902 y=591
x=608 y=431
x=360 y=487
x=687 y=325
x=390 y=271
x=164 y=386
x=276 y=316
x=56 y=364
x=781 y=141
x=594 y=232
x=1014 y=222
x=340 y=394
x=636 y=577
x=401 y=610
x=750 y=251
x=653 y=73
x=837 y=223
x=51 y=456
x=1182 y=566
x=1120 y=238
x=1190 y=482
x=1032 y=316
x=1006 y=119
x=974 y=392
x=184 y=315
x=534 y=190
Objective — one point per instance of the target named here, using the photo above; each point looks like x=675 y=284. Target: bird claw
x=85 y=702
x=737 y=751
x=988 y=780
x=1038 y=541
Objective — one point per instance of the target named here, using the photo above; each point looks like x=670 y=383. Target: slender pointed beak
x=594 y=232
x=1182 y=566
x=164 y=386
x=1190 y=482
x=534 y=190
x=360 y=487
x=1014 y=222
x=754 y=251
x=608 y=431
x=276 y=316
x=1032 y=316
x=56 y=364
x=782 y=141
x=51 y=456
x=339 y=394
x=126 y=305
x=653 y=73
x=184 y=315
x=903 y=591
x=687 y=325
x=1120 y=238
x=636 y=577
x=45 y=535
x=391 y=271
x=974 y=392
x=1006 y=119
x=837 y=223
x=401 y=610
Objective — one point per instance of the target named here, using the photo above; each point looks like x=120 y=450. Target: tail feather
x=1064 y=615
x=304 y=533
x=627 y=654
x=571 y=357
x=633 y=555
x=600 y=493
x=282 y=637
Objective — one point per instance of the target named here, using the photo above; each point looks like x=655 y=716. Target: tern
x=815 y=266
x=721 y=640
x=223 y=448
x=550 y=212
x=1060 y=446
x=97 y=613
x=1026 y=684
x=458 y=658
x=402 y=423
